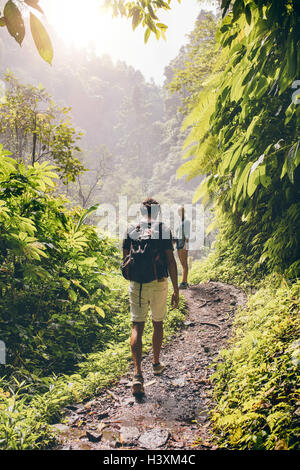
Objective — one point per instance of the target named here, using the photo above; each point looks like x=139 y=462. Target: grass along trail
x=174 y=414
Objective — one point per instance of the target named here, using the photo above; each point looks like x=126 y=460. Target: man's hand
x=175 y=300
x=172 y=266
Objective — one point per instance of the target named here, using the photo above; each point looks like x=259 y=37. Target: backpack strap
x=160 y=249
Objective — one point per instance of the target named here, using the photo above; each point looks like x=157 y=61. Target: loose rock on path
x=174 y=414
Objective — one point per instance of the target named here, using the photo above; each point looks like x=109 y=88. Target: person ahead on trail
x=182 y=240
x=148 y=259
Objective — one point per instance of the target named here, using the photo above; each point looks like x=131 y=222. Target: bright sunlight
x=77 y=22
x=87 y=23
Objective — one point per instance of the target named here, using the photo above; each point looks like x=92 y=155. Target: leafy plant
x=13 y=20
x=257 y=377
x=51 y=265
x=142 y=12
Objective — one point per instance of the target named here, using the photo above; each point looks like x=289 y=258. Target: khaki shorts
x=153 y=293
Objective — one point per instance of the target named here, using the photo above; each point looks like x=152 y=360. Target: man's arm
x=172 y=268
x=187 y=229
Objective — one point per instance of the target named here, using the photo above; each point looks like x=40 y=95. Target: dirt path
x=165 y=418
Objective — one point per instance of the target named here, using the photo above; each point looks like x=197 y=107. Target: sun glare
x=78 y=22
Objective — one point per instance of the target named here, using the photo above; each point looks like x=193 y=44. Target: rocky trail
x=174 y=414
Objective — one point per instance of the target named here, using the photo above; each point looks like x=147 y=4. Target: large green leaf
x=147 y=35
x=202 y=191
x=136 y=18
x=86 y=213
x=248 y=14
x=262 y=87
x=242 y=180
x=292 y=160
x=224 y=6
x=251 y=127
x=236 y=155
x=14 y=21
x=41 y=39
x=255 y=178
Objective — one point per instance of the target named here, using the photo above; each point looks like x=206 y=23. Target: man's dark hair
x=150 y=207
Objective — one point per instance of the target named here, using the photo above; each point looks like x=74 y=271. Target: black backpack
x=146 y=260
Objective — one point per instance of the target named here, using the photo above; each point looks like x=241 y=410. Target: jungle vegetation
x=230 y=108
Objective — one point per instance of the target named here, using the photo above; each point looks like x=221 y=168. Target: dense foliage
x=228 y=261
x=257 y=378
x=245 y=131
x=196 y=61
x=52 y=272
x=256 y=381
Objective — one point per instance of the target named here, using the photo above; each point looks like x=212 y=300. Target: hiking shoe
x=158 y=368
x=138 y=385
x=183 y=285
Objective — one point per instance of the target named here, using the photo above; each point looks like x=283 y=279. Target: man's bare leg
x=182 y=254
x=157 y=339
x=137 y=346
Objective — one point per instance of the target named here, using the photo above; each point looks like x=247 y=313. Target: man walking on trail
x=148 y=259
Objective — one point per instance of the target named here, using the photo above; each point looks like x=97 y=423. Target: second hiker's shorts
x=153 y=293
